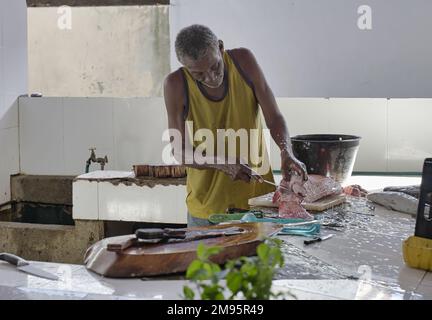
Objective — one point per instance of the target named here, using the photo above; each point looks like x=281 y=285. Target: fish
x=397 y=201
x=413 y=190
x=315 y=188
x=318 y=187
x=288 y=196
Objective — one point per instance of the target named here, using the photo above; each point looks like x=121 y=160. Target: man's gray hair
x=194 y=42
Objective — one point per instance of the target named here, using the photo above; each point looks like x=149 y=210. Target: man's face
x=209 y=69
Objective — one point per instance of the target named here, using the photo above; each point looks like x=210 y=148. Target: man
x=221 y=89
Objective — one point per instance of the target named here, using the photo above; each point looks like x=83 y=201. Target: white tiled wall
x=409 y=133
x=87 y=123
x=13 y=82
x=303 y=116
x=9 y=160
x=85 y=200
x=57 y=132
x=365 y=118
x=138 y=128
x=41 y=136
x=165 y=204
x=8 y=112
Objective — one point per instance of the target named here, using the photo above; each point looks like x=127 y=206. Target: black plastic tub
x=330 y=155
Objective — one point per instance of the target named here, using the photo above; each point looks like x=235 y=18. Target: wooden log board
x=317 y=206
x=168 y=258
x=162 y=171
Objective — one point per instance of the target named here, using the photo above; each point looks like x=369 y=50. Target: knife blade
x=277 y=186
x=25 y=266
x=317 y=239
x=256 y=176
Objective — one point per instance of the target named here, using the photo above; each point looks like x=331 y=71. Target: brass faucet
x=101 y=161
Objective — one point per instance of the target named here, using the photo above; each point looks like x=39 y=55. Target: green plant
x=246 y=277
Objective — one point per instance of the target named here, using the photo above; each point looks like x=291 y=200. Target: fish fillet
x=315 y=188
x=289 y=202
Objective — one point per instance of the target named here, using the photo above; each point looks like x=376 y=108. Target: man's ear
x=221 y=46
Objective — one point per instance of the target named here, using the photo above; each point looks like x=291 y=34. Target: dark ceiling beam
x=94 y=3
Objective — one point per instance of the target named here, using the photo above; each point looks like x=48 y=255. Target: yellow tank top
x=212 y=191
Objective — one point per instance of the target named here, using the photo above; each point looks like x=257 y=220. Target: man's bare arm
x=273 y=117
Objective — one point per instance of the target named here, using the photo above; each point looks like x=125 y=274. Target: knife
x=259 y=177
x=317 y=239
x=25 y=266
x=277 y=186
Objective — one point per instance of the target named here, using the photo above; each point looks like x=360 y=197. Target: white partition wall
x=13 y=82
x=332 y=48
x=56 y=133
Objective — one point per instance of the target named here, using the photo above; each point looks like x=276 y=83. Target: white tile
x=8 y=111
x=138 y=127
x=339 y=289
x=427 y=280
x=1 y=28
x=88 y=123
x=302 y=116
x=409 y=132
x=164 y=204
x=85 y=200
x=409 y=278
x=15 y=70
x=365 y=118
x=41 y=135
x=425 y=292
x=9 y=163
x=14 y=18
x=1 y=69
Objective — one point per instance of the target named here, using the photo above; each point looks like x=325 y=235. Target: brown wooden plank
x=158 y=259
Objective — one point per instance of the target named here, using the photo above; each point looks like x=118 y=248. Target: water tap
x=101 y=161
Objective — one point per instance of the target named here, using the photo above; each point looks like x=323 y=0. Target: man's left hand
x=290 y=164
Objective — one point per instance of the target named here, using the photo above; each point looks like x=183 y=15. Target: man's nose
x=211 y=76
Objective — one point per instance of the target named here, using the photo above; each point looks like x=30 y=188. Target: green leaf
x=193 y=269
x=215 y=268
x=212 y=292
x=234 y=282
x=189 y=294
x=249 y=269
x=201 y=251
x=249 y=276
x=213 y=250
x=263 y=252
x=220 y=296
x=208 y=268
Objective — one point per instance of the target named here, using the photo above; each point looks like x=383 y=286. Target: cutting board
x=319 y=205
x=166 y=258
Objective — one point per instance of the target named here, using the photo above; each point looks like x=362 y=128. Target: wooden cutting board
x=319 y=205
x=166 y=258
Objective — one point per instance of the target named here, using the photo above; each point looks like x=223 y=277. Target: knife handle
x=13 y=259
x=307 y=242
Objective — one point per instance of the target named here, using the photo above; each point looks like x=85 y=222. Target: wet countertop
x=367 y=246
x=363 y=260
